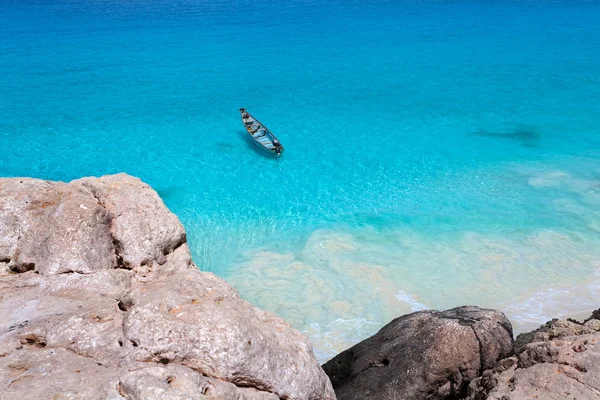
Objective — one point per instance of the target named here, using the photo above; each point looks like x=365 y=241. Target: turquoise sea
x=438 y=153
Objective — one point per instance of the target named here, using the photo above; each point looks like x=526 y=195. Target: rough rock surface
x=424 y=355
x=558 y=361
x=99 y=299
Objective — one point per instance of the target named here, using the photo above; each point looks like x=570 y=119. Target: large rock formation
x=99 y=299
x=424 y=355
x=558 y=361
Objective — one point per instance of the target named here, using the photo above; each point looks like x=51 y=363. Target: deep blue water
x=437 y=152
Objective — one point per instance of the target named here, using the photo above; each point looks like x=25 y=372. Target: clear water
x=438 y=153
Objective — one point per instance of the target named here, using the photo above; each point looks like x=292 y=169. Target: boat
x=260 y=134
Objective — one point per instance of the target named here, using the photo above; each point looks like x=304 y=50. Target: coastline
x=96 y=276
x=342 y=286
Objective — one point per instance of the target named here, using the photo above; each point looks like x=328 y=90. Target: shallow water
x=437 y=153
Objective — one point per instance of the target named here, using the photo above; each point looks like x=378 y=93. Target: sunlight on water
x=345 y=283
x=438 y=153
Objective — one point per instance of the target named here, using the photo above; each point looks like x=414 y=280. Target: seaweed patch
x=527 y=136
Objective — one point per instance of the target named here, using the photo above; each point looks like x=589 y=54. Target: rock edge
x=100 y=300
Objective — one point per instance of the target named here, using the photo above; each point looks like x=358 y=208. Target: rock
x=595 y=316
x=55 y=373
x=559 y=360
x=53 y=228
x=90 y=326
x=194 y=319
x=424 y=355
x=555 y=329
x=99 y=299
x=138 y=238
x=175 y=382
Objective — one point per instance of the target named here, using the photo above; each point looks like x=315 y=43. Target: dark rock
x=424 y=355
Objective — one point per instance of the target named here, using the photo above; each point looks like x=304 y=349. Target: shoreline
x=96 y=276
x=329 y=274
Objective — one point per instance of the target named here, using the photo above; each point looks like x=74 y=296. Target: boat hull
x=260 y=135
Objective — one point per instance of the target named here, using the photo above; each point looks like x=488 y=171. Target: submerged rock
x=424 y=355
x=558 y=361
x=99 y=299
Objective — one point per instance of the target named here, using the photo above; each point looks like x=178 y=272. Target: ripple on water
x=444 y=166
x=346 y=283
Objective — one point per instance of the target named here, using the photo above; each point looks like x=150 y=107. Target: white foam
x=338 y=335
x=414 y=304
x=554 y=302
x=345 y=283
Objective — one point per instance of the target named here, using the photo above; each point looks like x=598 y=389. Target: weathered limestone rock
x=556 y=329
x=194 y=319
x=99 y=299
x=142 y=228
x=424 y=355
x=90 y=326
x=55 y=373
x=53 y=228
x=175 y=382
x=560 y=360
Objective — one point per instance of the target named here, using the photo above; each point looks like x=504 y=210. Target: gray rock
x=194 y=319
x=96 y=277
x=176 y=382
x=143 y=229
x=44 y=373
x=559 y=360
x=90 y=326
x=424 y=355
x=556 y=329
x=53 y=228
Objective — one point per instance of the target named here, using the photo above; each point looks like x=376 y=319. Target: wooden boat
x=260 y=134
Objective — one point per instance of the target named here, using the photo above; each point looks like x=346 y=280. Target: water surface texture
x=438 y=153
